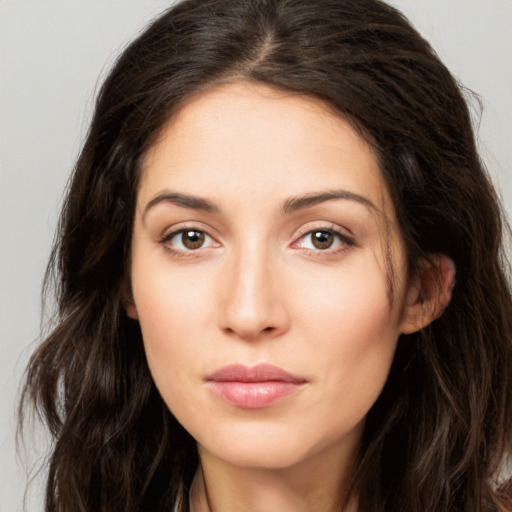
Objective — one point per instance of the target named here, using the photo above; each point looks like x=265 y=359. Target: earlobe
x=127 y=300
x=131 y=311
x=429 y=293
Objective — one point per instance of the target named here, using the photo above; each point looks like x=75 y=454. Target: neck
x=316 y=485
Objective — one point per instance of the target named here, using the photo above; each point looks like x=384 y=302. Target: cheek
x=177 y=318
x=170 y=313
x=351 y=330
x=349 y=304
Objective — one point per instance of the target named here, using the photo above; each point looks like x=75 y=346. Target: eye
x=187 y=240
x=323 y=240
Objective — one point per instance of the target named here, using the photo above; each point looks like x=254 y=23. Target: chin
x=273 y=446
x=258 y=455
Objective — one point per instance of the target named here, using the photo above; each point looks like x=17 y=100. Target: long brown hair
x=435 y=439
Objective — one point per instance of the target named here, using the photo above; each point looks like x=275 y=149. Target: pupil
x=322 y=239
x=192 y=239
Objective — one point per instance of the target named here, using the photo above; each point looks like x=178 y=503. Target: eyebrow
x=183 y=200
x=291 y=205
x=308 y=200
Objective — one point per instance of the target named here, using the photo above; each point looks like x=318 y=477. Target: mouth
x=254 y=387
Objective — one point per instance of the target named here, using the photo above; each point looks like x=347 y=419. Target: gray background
x=51 y=55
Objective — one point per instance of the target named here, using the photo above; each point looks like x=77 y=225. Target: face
x=262 y=242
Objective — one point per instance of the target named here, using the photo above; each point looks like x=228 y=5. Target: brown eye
x=186 y=241
x=322 y=239
x=192 y=239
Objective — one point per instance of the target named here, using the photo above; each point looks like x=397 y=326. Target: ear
x=126 y=296
x=429 y=293
x=131 y=312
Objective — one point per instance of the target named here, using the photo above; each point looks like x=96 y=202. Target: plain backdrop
x=52 y=53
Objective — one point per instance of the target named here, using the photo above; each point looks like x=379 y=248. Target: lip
x=253 y=387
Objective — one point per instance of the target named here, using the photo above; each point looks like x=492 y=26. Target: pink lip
x=253 y=388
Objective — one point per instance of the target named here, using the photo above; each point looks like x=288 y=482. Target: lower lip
x=254 y=395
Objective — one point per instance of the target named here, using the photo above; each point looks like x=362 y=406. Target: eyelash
x=181 y=253
x=344 y=242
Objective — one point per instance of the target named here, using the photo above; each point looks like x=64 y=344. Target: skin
x=259 y=291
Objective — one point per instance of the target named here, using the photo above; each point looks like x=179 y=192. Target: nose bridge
x=252 y=304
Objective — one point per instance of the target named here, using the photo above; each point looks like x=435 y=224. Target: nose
x=253 y=298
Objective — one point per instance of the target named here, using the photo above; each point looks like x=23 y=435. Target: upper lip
x=258 y=373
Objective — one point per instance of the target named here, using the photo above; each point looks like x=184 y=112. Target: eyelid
x=183 y=226
x=177 y=229
x=323 y=226
x=345 y=236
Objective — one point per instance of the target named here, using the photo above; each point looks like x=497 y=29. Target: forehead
x=251 y=138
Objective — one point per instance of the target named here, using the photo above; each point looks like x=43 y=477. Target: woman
x=280 y=278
